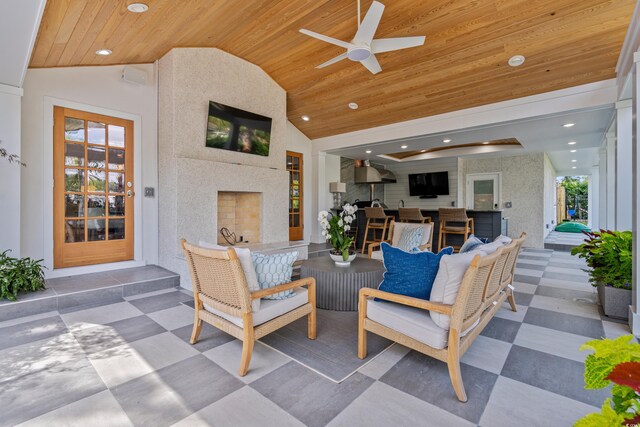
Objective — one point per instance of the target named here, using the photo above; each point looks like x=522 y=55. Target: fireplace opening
x=240 y=213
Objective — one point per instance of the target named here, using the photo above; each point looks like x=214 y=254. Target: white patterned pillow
x=274 y=270
x=244 y=256
x=410 y=239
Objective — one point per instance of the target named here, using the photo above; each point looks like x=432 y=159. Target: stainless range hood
x=371 y=175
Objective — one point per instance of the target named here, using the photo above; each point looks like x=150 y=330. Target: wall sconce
x=337 y=188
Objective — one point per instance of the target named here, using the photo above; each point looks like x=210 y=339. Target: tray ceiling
x=462 y=64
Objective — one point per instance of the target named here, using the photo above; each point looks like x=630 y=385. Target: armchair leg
x=453 y=363
x=247 y=351
x=362 y=333
x=197 y=325
x=512 y=301
x=312 y=324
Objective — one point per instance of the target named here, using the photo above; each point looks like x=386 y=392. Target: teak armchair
x=469 y=315
x=395 y=232
x=223 y=300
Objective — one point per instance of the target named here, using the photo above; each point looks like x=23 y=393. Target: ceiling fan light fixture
x=358 y=53
x=353 y=105
x=516 y=60
x=137 y=7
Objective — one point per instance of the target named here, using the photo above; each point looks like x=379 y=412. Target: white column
x=602 y=175
x=318 y=197
x=594 y=197
x=624 y=164
x=10 y=110
x=634 y=316
x=611 y=181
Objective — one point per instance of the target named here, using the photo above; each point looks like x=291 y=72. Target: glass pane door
x=483 y=194
x=294 y=166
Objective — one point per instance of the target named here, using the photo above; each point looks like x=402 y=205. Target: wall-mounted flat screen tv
x=429 y=184
x=238 y=130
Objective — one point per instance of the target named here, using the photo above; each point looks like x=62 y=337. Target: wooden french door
x=296 y=223
x=93 y=188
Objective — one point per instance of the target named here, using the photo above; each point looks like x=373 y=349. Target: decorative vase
x=339 y=260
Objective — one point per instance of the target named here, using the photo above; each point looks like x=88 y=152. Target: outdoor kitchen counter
x=487 y=224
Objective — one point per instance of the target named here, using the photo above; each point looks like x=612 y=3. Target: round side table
x=337 y=287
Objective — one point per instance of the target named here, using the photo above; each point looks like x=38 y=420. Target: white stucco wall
x=191 y=173
x=523 y=185
x=88 y=88
x=10 y=173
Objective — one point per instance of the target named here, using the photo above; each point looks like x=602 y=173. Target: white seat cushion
x=399 y=227
x=447 y=282
x=377 y=255
x=410 y=321
x=269 y=309
x=244 y=256
x=490 y=248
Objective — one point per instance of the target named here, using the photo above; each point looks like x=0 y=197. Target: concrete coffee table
x=337 y=287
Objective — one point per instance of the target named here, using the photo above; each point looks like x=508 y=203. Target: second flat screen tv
x=233 y=129
x=429 y=184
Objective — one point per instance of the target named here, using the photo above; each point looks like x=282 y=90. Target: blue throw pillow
x=410 y=238
x=274 y=270
x=410 y=274
x=471 y=243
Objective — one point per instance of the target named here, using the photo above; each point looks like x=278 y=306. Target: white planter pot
x=340 y=262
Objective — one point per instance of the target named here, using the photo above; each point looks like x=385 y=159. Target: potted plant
x=609 y=257
x=335 y=229
x=613 y=361
x=19 y=275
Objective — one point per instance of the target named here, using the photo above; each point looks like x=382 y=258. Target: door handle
x=129 y=193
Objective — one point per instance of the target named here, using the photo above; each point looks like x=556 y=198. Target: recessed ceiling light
x=573 y=160
x=305 y=118
x=103 y=52
x=446 y=141
x=423 y=151
x=574 y=167
x=572 y=143
x=368 y=151
x=568 y=125
x=485 y=143
x=572 y=151
x=403 y=146
x=353 y=105
x=138 y=7
x=516 y=60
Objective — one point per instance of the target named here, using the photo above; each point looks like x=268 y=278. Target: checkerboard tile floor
x=130 y=363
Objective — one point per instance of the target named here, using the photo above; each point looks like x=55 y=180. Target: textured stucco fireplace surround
x=192 y=175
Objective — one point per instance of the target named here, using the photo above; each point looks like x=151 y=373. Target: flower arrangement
x=336 y=227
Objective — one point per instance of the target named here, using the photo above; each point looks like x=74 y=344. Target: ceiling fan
x=363 y=47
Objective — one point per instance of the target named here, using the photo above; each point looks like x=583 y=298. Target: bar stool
x=412 y=215
x=353 y=232
x=376 y=220
x=457 y=216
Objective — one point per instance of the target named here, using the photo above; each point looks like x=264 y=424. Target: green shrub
x=609 y=255
x=19 y=275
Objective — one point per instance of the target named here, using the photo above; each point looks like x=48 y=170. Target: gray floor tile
x=31 y=331
x=99 y=409
x=552 y=341
x=383 y=405
x=170 y=394
x=42 y=391
x=551 y=373
x=161 y=302
x=506 y=313
x=81 y=282
x=104 y=337
x=26 y=319
x=615 y=329
x=565 y=322
x=174 y=317
x=384 y=361
x=93 y=298
x=529 y=272
x=526 y=288
x=141 y=274
x=564 y=284
x=532 y=257
x=568 y=294
x=487 y=353
x=232 y=411
x=526 y=279
x=523 y=264
x=575 y=277
x=210 y=337
x=15 y=310
x=576 y=308
x=428 y=379
x=522 y=298
x=501 y=329
x=312 y=399
x=543 y=408
x=101 y=315
x=138 y=288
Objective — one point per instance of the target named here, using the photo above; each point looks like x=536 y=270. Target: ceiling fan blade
x=326 y=38
x=387 y=45
x=371 y=64
x=369 y=24
x=333 y=60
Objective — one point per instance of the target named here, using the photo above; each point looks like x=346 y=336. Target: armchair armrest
x=425 y=246
x=310 y=282
x=404 y=300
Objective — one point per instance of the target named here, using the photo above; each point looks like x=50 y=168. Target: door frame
x=471 y=177
x=302 y=192
x=47 y=184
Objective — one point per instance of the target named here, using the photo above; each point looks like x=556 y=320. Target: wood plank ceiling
x=462 y=64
